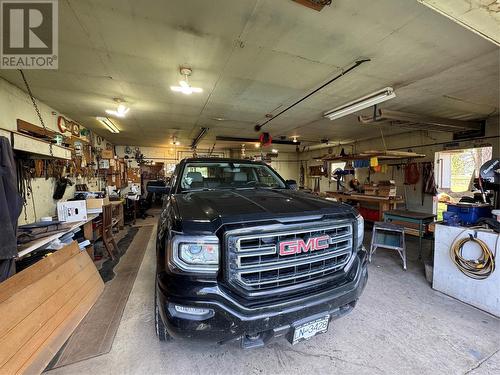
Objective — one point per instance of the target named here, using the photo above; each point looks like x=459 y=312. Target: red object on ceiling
x=265 y=139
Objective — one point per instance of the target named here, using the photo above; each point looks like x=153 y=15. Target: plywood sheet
x=41 y=307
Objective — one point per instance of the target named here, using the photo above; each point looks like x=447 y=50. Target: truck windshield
x=214 y=175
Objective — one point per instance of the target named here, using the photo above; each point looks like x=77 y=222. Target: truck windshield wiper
x=197 y=190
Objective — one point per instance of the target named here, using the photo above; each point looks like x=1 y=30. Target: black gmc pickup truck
x=243 y=256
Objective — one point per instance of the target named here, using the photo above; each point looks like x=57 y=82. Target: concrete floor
x=400 y=326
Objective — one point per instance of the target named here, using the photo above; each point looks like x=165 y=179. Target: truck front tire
x=161 y=331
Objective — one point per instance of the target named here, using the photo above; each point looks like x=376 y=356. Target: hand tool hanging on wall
x=428 y=181
x=412 y=175
x=25 y=173
x=61 y=183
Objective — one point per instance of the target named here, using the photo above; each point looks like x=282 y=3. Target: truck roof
x=222 y=160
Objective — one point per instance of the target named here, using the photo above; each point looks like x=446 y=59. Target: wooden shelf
x=35 y=146
x=366 y=155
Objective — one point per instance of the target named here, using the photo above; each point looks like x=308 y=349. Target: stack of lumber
x=41 y=306
x=387 y=188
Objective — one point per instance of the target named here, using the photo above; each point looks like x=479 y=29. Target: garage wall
x=422 y=142
x=286 y=164
x=14 y=104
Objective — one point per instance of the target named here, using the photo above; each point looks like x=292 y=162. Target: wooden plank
x=57 y=340
x=34 y=130
x=32 y=145
x=37 y=271
x=29 y=299
x=40 y=311
x=31 y=323
x=77 y=306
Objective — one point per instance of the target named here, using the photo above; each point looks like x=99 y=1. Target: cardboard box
x=72 y=211
x=94 y=205
x=107 y=154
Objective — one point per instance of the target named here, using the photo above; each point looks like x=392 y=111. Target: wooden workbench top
x=363 y=197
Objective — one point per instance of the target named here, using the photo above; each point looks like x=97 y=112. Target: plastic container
x=369 y=214
x=451 y=219
x=470 y=213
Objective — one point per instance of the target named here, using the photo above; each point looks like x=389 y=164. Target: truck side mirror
x=291 y=184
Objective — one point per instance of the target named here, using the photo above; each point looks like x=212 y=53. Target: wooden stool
x=381 y=236
x=107 y=230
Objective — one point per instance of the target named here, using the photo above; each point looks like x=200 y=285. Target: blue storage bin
x=470 y=213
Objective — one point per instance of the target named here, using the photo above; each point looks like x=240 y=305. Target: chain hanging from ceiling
x=28 y=88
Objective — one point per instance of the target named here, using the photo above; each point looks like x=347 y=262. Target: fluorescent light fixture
x=108 y=124
x=361 y=103
x=121 y=111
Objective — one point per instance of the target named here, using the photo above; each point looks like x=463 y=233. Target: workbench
x=34 y=245
x=384 y=203
x=421 y=219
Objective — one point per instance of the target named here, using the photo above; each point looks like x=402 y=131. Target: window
x=214 y=175
x=455 y=172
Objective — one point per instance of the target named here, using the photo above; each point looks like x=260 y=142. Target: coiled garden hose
x=479 y=268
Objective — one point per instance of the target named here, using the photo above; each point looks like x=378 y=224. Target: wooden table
x=419 y=218
x=384 y=203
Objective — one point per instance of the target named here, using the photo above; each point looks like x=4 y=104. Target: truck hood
x=249 y=205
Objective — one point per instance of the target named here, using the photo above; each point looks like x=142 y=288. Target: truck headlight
x=360 y=230
x=195 y=253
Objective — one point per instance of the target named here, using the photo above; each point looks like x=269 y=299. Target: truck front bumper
x=227 y=320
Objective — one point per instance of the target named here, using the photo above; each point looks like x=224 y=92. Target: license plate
x=307 y=330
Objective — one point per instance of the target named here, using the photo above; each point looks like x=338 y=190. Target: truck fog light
x=191 y=310
x=360 y=222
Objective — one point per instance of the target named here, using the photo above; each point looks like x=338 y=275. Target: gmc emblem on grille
x=300 y=246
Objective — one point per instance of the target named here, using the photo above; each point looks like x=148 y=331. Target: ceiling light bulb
x=184 y=86
x=294 y=139
x=122 y=109
x=274 y=151
x=177 y=143
x=257 y=145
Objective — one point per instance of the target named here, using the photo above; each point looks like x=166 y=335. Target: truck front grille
x=255 y=263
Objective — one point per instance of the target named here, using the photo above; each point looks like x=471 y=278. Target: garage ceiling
x=254 y=57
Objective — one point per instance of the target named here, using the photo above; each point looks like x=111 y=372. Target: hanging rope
x=383 y=139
